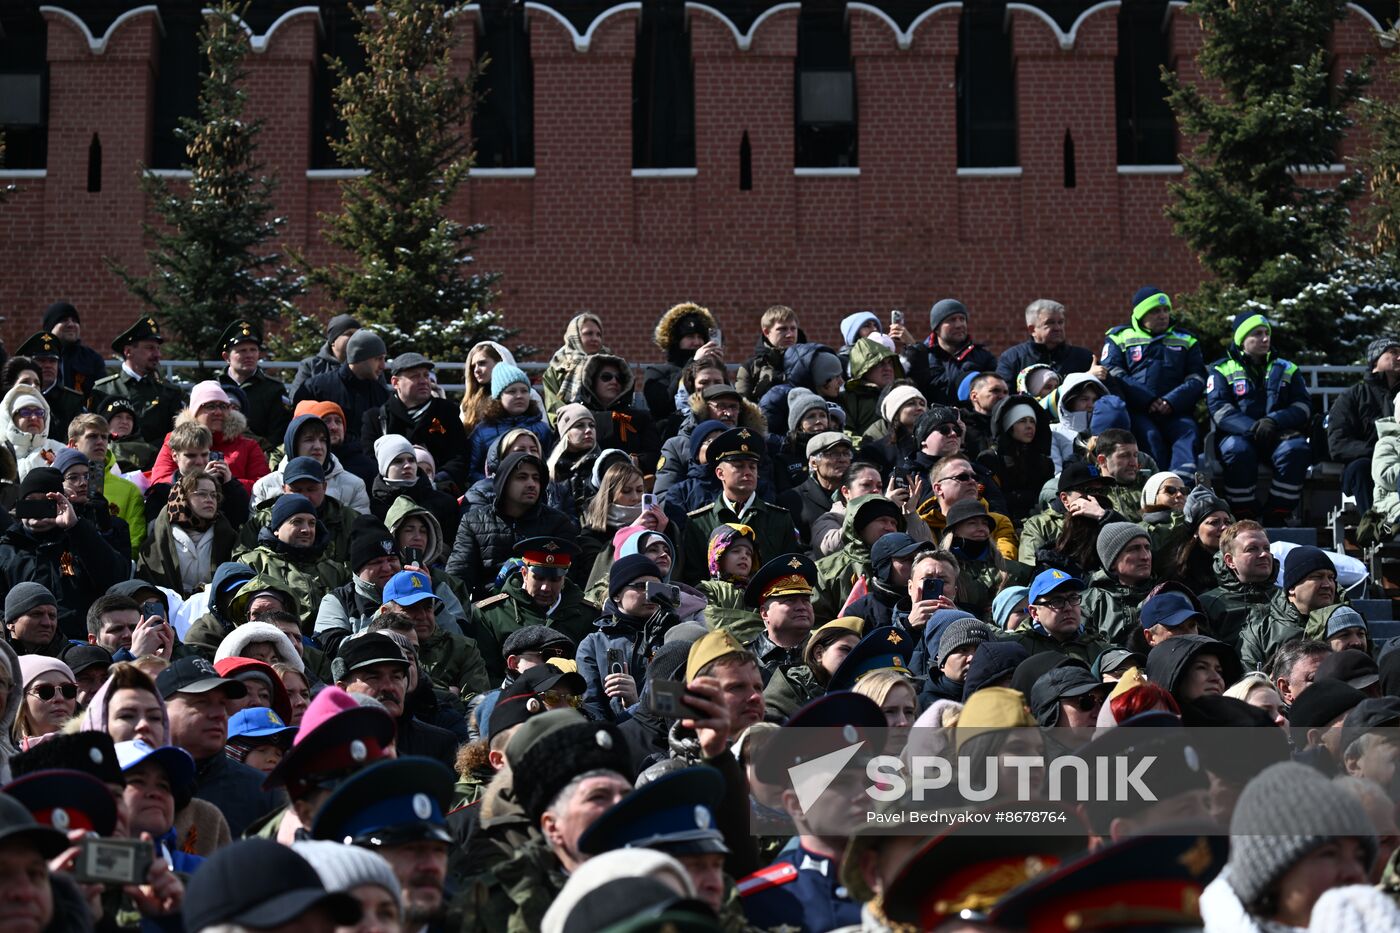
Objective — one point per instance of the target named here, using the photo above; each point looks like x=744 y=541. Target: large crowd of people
x=347 y=653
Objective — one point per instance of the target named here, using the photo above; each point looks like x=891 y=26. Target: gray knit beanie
x=959 y=633
x=26 y=597
x=344 y=867
x=800 y=401
x=1378 y=346
x=1287 y=811
x=1201 y=502
x=944 y=309
x=1115 y=536
x=364 y=345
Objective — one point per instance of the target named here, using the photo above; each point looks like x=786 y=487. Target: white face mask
x=1078 y=420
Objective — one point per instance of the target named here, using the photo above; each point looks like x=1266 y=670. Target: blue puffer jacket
x=486 y=434
x=797 y=366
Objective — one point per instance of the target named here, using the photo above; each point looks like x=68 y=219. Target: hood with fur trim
x=665 y=327
x=23 y=443
x=405 y=508
x=235 y=424
x=235 y=641
x=750 y=415
x=578 y=385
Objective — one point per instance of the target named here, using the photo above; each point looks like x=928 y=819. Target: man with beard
x=81 y=365
x=939 y=363
x=373 y=664
x=395 y=808
x=412 y=412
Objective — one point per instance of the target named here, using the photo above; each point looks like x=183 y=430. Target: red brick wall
x=583 y=234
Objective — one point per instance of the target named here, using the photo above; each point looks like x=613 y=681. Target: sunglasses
x=1086 y=703
x=46 y=692
x=950 y=428
x=608 y=375
x=1174 y=490
x=29 y=412
x=560 y=698
x=960 y=478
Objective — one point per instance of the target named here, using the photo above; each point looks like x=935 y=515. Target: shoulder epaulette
x=702 y=510
x=490 y=601
x=771 y=877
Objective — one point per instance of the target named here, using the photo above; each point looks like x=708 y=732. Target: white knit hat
x=344 y=867
x=896 y=399
x=387 y=447
x=1154 y=486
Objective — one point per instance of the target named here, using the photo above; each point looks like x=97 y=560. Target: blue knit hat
x=965 y=387
x=287 y=505
x=1110 y=412
x=505 y=375
x=67 y=458
x=701 y=431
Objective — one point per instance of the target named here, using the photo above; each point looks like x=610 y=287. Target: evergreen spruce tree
x=406 y=116
x=1273 y=239
x=212 y=262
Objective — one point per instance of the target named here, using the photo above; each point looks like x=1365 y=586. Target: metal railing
x=1324 y=382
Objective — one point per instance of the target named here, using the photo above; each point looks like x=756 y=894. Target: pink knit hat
x=206 y=392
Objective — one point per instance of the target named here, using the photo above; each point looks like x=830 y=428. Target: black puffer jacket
x=486 y=537
x=76 y=565
x=1351 y=423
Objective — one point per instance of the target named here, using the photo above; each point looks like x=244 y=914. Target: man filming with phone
x=49 y=544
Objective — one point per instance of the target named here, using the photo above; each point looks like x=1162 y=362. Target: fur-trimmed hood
x=578 y=384
x=665 y=328
x=750 y=415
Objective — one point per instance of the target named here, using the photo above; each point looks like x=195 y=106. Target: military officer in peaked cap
x=541 y=594
x=735 y=456
x=781 y=591
x=156 y=401
x=64 y=404
x=803 y=890
x=269 y=409
x=395 y=807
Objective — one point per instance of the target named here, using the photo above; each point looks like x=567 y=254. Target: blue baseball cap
x=408 y=587
x=1048 y=581
x=257 y=722
x=1168 y=608
x=175 y=761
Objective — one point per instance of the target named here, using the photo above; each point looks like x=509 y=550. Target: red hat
x=239 y=669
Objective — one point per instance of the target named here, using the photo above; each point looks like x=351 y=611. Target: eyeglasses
x=30 y=411
x=74 y=478
x=608 y=375
x=560 y=698
x=949 y=428
x=960 y=478
x=215 y=406
x=1086 y=703
x=1062 y=603
x=46 y=692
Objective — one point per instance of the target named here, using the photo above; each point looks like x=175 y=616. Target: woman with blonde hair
x=616 y=505
x=894 y=693
x=1256 y=689
x=49 y=695
x=481 y=361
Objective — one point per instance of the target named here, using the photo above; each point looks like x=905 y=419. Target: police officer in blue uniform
x=1159 y=370
x=802 y=890
x=1260 y=408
